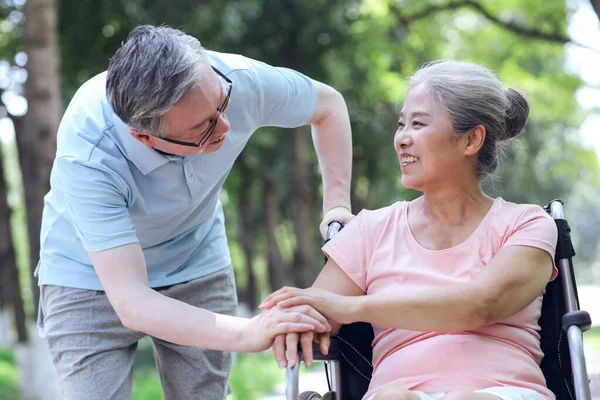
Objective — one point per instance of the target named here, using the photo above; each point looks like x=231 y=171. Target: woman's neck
x=453 y=206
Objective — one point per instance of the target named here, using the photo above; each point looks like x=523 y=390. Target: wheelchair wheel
x=309 y=396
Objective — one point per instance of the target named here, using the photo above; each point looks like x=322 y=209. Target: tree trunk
x=303 y=266
x=36 y=139
x=276 y=267
x=9 y=273
x=596 y=6
x=247 y=231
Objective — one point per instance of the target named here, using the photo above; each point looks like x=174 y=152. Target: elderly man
x=133 y=238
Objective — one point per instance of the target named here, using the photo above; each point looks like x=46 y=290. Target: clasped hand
x=334 y=307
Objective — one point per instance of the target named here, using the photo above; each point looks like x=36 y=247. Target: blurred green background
x=364 y=48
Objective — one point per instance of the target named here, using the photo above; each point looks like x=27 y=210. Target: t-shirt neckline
x=409 y=232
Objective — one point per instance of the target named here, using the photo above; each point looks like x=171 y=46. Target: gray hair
x=472 y=95
x=150 y=73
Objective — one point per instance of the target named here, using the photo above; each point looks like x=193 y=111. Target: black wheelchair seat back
x=356 y=356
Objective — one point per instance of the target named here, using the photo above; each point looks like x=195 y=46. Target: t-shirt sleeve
x=96 y=202
x=287 y=98
x=535 y=228
x=349 y=250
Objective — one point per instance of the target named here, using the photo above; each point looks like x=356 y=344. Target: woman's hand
x=341 y=309
x=262 y=330
x=285 y=347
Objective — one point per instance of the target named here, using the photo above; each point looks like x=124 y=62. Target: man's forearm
x=177 y=322
x=333 y=143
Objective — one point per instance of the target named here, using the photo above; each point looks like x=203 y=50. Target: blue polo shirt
x=109 y=190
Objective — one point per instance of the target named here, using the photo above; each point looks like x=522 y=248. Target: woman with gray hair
x=452 y=281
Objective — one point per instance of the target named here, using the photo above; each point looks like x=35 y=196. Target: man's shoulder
x=85 y=122
x=229 y=63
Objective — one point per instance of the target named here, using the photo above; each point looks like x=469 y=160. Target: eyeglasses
x=207 y=134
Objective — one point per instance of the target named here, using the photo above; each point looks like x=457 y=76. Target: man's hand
x=341 y=309
x=262 y=330
x=342 y=214
x=285 y=347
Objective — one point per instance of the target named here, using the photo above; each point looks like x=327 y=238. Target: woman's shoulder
x=520 y=213
x=509 y=207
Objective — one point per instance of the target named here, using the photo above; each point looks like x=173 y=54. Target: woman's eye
x=417 y=123
x=400 y=124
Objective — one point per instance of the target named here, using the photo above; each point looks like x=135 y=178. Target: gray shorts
x=94 y=353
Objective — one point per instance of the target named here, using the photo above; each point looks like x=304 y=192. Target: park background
x=364 y=48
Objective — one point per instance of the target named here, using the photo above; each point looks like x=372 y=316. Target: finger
x=306 y=341
x=308 y=319
x=291 y=348
x=295 y=301
x=313 y=313
x=324 y=343
x=297 y=317
x=279 y=351
x=274 y=298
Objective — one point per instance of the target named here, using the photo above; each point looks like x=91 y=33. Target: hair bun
x=517 y=114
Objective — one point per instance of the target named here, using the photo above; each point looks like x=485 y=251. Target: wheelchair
x=348 y=365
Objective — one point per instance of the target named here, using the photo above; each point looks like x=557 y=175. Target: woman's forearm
x=462 y=307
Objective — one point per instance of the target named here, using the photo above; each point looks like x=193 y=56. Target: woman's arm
x=511 y=281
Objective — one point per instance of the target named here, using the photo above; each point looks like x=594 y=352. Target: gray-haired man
x=133 y=239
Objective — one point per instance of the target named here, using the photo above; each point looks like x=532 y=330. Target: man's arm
x=332 y=139
x=122 y=272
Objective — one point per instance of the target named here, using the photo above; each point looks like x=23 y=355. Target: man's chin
x=213 y=147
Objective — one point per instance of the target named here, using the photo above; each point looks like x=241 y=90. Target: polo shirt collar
x=145 y=158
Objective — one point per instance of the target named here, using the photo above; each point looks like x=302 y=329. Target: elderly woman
x=452 y=281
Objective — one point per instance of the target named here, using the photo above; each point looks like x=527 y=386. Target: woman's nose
x=402 y=138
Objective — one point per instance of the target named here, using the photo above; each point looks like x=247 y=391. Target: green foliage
x=253 y=375
x=9 y=379
x=146 y=385
x=591 y=339
x=366 y=49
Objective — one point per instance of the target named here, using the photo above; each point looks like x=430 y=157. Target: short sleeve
x=349 y=250
x=96 y=202
x=287 y=98
x=535 y=228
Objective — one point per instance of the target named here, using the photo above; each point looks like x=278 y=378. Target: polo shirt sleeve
x=287 y=98
x=95 y=199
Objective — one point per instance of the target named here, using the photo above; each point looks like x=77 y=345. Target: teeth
x=408 y=159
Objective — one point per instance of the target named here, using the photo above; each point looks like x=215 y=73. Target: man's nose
x=223 y=124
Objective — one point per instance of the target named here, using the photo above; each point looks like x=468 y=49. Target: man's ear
x=474 y=140
x=143 y=137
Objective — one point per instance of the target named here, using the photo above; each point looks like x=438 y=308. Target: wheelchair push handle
x=332 y=229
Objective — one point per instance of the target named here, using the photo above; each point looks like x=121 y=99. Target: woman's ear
x=475 y=139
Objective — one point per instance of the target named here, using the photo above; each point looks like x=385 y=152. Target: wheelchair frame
x=574 y=323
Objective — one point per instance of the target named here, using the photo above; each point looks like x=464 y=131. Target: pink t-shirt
x=379 y=253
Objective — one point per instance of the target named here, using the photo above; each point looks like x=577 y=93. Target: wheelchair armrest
x=579 y=318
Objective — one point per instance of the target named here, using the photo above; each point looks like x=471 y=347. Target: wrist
x=357 y=309
x=343 y=205
x=238 y=335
